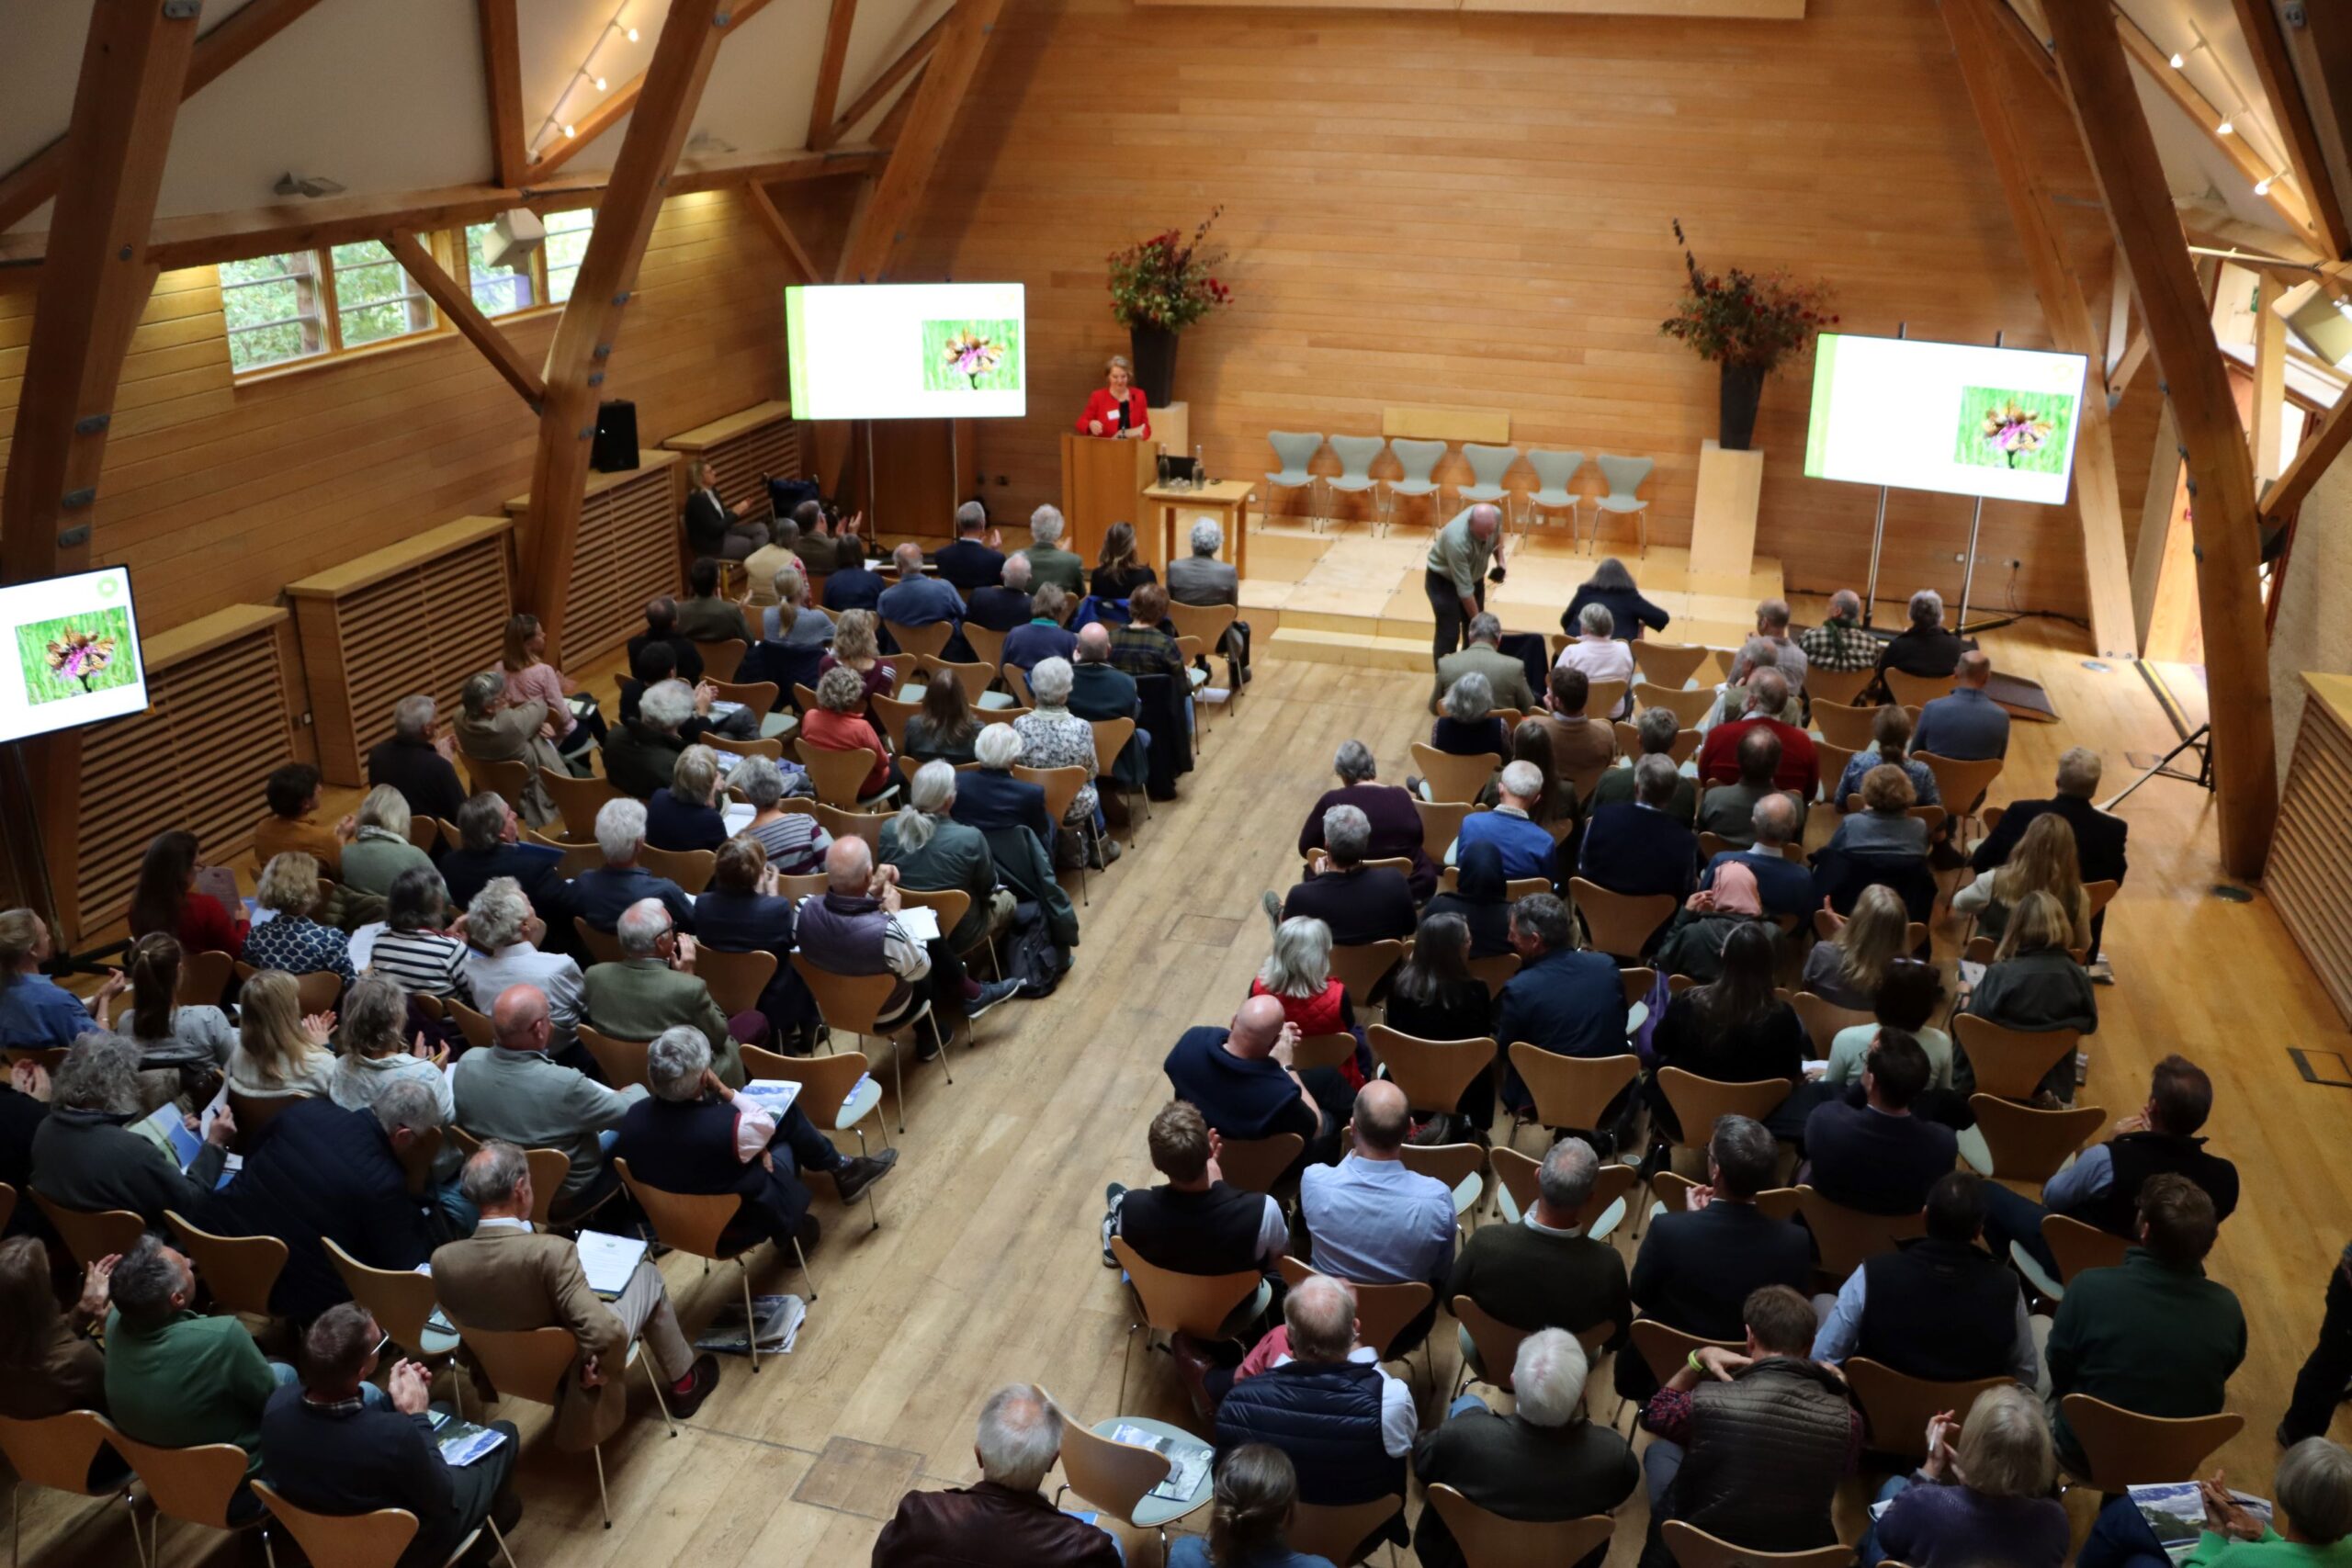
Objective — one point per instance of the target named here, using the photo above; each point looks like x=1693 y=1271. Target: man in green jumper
x=1456 y=573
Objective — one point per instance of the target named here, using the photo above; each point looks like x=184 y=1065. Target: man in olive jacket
x=653 y=987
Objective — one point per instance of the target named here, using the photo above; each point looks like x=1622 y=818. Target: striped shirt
x=424 y=962
x=795 y=844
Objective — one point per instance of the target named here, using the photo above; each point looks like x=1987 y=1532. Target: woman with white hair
x=935 y=854
x=2312 y=1487
x=1596 y=649
x=380 y=851
x=683 y=813
x=1611 y=587
x=1469 y=726
x=1053 y=736
x=377 y=1047
x=641 y=754
x=794 y=841
x=1297 y=973
x=496 y=724
x=1395 y=824
x=289 y=938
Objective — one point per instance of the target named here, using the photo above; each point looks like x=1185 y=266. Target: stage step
x=1324 y=645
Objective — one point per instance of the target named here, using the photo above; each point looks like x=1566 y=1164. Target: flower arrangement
x=1168 y=281
x=1742 y=320
x=2014 y=431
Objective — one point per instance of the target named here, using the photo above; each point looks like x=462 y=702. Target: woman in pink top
x=530 y=677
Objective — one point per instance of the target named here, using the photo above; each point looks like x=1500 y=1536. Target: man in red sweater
x=1767 y=693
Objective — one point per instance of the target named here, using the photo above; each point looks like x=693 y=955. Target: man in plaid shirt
x=1839 y=642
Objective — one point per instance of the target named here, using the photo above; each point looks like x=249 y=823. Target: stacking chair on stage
x=1419 y=459
x=1296 y=451
x=1625 y=475
x=1555 y=471
x=1356 y=454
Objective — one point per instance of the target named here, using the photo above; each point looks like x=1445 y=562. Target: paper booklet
x=462 y=1442
x=219 y=884
x=1188 y=1459
x=2176 y=1513
x=780 y=1320
x=921 y=920
x=609 y=1261
x=773 y=1096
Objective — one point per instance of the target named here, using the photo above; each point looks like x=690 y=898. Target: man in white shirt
x=1373 y=1221
x=1596 y=649
x=503 y=934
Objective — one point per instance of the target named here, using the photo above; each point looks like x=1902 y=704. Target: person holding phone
x=1116 y=409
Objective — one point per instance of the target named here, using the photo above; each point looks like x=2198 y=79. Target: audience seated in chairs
x=602 y=892
x=1580 y=742
x=182 y=1050
x=1256 y=1502
x=416 y=761
x=807 y=626
x=1751 y=1445
x=165 y=898
x=1201 y=578
x=35 y=1010
x=1193 y=1222
x=1046 y=635
x=1639 y=847
x=515 y=1092
x=683 y=813
x=2098 y=837
x=990 y=798
x=1004 y=1520
x=712 y=527
x=1003 y=605
x=974 y=560
x=853 y=587
x=1784 y=886
x=1562 y=1000
x=1480 y=899
x=2314 y=1518
x=49 y=1362
x=1655 y=730
x=641 y=754
x=506 y=943
x=933 y=853
x=1544 y=1461
x=795 y=841
x=378 y=1050
x=822 y=530
x=943 y=729
x=1694 y=943
x=1545 y=1272
x=1771 y=631
x=1847 y=969
x=696 y=1134
x=524 y=661
x=489 y=845
x=1941 y=1308
x=1359 y=903
x=1877 y=1156
x=1326 y=1401
x=1054 y=736
x=706 y=615
x=85 y=1154
x=857 y=649
x=1098 y=690
x=414 y=948
x=1297 y=973
x=1757 y=655
x=292 y=824
x=1885 y=826
x=918 y=599
x=1393 y=826
x=662 y=627
x=1911 y=993
x=1890 y=746
x=1733 y=1030
x=1612 y=586
x=496 y=724
x=2034 y=986
x=1481 y=654
x=280 y=1054
x=177 y=1378
x=1923 y=648
x=1119 y=568
x=1769 y=695
x=2043 y=861
x=1728 y=810
x=654 y=989
x=508 y=1279
x=1468 y=725
x=2155 y=1336
x=1433 y=996
x=1243 y=1082
x=852 y=928
x=1375 y=1220
x=744 y=911
x=319 y=1173
x=838 y=722
x=291 y=939
x=380 y=849
x=1594 y=651
x=1968 y=725
x=1523 y=843
x=1983 y=1494
x=1697 y=1265
x=2102 y=1187
x=1839 y=643
x=1142 y=646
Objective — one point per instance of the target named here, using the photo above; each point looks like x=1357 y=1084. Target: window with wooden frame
x=307 y=304
x=542 y=278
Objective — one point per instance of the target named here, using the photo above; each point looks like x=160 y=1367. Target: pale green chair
x=1487 y=467
x=1625 y=475
x=1356 y=454
x=1419 y=459
x=1295 y=450
x=1553 y=473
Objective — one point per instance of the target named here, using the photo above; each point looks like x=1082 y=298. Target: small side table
x=1227 y=499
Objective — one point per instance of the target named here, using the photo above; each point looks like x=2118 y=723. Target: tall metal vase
x=1153 y=349
x=1743 y=391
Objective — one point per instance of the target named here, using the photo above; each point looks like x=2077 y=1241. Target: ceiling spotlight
x=292 y=184
x=2179 y=60
x=600 y=87
x=2262 y=187
x=569 y=132
x=2180 y=56
x=632 y=35
x=2229 y=122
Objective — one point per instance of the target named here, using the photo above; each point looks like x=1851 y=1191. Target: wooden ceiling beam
x=772 y=223
x=2320 y=47
x=2285 y=196
x=2095 y=64
x=458 y=305
x=202 y=238
x=838 y=24
x=2026 y=35
x=580 y=355
x=2267 y=42
x=35 y=180
x=618 y=105
x=910 y=60
x=916 y=143
x=2098 y=499
x=501 y=70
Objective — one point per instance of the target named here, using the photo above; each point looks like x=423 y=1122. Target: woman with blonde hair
x=181 y=1049
x=1982 y=1494
x=1120 y=570
x=1847 y=970
x=34 y=1009
x=1116 y=409
x=2033 y=983
x=381 y=851
x=291 y=939
x=280 y=1054
x=2045 y=861
x=857 y=648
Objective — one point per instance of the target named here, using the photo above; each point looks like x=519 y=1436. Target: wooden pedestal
x=1722 y=521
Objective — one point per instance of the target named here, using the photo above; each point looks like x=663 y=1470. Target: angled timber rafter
x=2319 y=449
x=618 y=103
x=501 y=70
x=581 y=354
x=2093 y=63
x=2098 y=499
x=916 y=141
x=2320 y=47
x=909 y=61
x=2293 y=115
x=838 y=24
x=35 y=180
x=2286 y=197
x=772 y=223
x=457 y=304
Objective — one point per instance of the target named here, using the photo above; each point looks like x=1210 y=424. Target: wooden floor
x=987 y=1269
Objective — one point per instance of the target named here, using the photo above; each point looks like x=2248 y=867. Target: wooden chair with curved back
x=1960 y=786
x=2012 y=1062
x=1832 y=761
x=474 y=1026
x=1489 y=1347
x=839 y=776
x=989 y=645
x=1118 y=1478
x=92 y=1234
x=836 y=1093
x=508 y=778
x=204 y=977
x=2030 y=1147
x=1441 y=824
x=1322 y=1051
x=1685 y=746
x=315 y=990
x=1495 y=973
x=1671 y=1192
x=362 y=1541
x=768 y=746
x=1489 y=1541
x=196 y=1486
x=1362 y=966
x=891 y=716
x=695 y=1224
x=2079 y=1247
x=1694 y=1548
x=578 y=800
x=690 y=869
x=1166 y=1301
x=1916 y=692
x=854 y=1001
x=1837 y=687
x=1669 y=664
x=1258 y=1165
x=56 y=1452
x=974 y=677
x=1667 y=1350
x=1824 y=1020
x=239 y=1271
x=1699 y=1102
x=846 y=824
x=401 y=1303
x=721 y=658
x=736 y=980
x=621 y=1061
x=1432 y=1073
x=1450 y=880
x=1111 y=737
x=916 y=641
x=1460 y=1166
x=1382 y=1311
x=1453 y=779
x=1687 y=704
x=1849 y=1238
x=1896 y=1408
x=604 y=947
x=1619 y=924
x=1571 y=1091
x=1846 y=728
x=533 y=1364
x=2121 y=1445
x=1345 y=1533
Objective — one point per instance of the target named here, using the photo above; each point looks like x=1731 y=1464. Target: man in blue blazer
x=1563 y=1000
x=1635 y=847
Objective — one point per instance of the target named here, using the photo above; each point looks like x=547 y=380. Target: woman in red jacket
x=1298 y=974
x=1117 y=409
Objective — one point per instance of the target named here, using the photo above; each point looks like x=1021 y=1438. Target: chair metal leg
x=603 y=1503
x=500 y=1537
x=1126 y=1358
x=898 y=1066
x=653 y=1376
x=932 y=1014
x=805 y=1274
x=751 y=1316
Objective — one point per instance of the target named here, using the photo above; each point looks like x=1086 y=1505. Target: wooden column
x=501 y=68
x=882 y=217
x=93 y=289
x=2131 y=177
x=2098 y=500
x=579 y=358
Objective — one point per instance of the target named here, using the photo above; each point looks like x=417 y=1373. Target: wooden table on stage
x=1226 y=500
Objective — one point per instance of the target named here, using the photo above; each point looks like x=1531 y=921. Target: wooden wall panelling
x=1416 y=216
x=764 y=439
x=2304 y=877
x=627 y=551
x=417 y=616
x=217 y=723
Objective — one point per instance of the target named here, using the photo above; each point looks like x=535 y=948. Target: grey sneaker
x=1272 y=902
x=1112 y=1195
x=991 y=993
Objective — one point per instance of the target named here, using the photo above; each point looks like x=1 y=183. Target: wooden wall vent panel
x=628 y=551
x=216 y=724
x=764 y=439
x=419 y=616
x=2304 y=877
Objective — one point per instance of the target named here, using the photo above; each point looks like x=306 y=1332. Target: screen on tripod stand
x=74 y=642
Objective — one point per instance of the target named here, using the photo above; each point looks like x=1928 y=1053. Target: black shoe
x=852 y=1178
x=806 y=1234
x=991 y=993
x=927 y=1045
x=701 y=1378
x=1111 y=1196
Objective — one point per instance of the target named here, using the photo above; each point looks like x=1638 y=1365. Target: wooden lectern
x=1103 y=484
